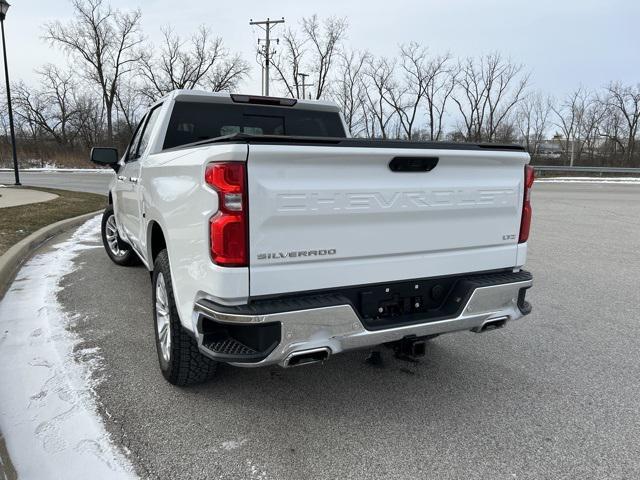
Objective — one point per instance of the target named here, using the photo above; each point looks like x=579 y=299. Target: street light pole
x=4 y=6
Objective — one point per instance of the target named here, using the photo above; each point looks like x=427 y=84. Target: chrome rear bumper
x=338 y=327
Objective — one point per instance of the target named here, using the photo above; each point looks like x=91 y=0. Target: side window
x=133 y=145
x=148 y=128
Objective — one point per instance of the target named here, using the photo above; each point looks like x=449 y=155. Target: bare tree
x=105 y=42
x=178 y=65
x=228 y=74
x=348 y=90
x=625 y=100
x=590 y=127
x=469 y=98
x=312 y=51
x=30 y=114
x=425 y=84
x=89 y=121
x=570 y=115
x=532 y=120
x=612 y=131
x=442 y=80
x=48 y=108
x=130 y=105
x=324 y=40
x=201 y=62
x=379 y=75
x=406 y=96
x=58 y=89
x=287 y=63
x=487 y=91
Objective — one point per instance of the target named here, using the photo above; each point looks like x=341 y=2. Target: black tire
x=181 y=363
x=124 y=255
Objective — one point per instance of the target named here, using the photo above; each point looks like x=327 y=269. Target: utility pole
x=304 y=83
x=267 y=25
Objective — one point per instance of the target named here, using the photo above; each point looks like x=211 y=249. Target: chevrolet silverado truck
x=272 y=238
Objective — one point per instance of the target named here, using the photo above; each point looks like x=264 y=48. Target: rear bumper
x=332 y=323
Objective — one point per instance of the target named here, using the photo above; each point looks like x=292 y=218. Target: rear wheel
x=180 y=360
x=119 y=251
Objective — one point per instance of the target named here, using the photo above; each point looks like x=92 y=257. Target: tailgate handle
x=413 y=164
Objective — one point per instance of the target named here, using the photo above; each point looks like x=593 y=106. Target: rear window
x=191 y=122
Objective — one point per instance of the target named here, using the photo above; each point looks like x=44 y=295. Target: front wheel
x=180 y=360
x=119 y=251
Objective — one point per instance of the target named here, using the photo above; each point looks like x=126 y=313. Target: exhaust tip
x=305 y=357
x=491 y=324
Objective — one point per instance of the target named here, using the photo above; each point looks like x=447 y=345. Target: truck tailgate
x=322 y=217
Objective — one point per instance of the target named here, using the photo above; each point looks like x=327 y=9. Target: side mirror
x=105 y=156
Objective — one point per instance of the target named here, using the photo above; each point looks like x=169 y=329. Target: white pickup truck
x=273 y=238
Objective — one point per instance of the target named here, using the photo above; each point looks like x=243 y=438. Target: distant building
x=549 y=147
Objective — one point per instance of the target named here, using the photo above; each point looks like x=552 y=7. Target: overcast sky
x=564 y=43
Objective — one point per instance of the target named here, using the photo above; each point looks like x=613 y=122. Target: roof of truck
x=184 y=95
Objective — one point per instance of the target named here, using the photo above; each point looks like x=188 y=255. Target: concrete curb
x=13 y=259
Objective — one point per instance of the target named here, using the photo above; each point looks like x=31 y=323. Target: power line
x=266 y=25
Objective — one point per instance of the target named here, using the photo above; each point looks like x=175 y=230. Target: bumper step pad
x=230 y=346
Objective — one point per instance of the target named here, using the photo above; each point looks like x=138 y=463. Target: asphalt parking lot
x=553 y=396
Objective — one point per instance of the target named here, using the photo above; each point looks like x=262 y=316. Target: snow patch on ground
x=233 y=444
x=611 y=180
x=53 y=169
x=48 y=412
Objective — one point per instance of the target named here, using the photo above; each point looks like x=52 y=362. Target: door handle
x=413 y=164
x=121 y=178
x=133 y=179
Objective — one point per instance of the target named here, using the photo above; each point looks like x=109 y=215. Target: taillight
x=525 y=223
x=228 y=228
